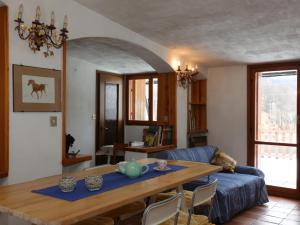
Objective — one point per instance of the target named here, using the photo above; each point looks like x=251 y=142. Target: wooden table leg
x=183 y=203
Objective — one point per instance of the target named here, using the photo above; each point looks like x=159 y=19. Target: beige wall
x=227 y=110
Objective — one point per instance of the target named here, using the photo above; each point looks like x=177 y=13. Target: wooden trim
x=283 y=192
x=64 y=103
x=274 y=143
x=149 y=149
x=76 y=160
x=80 y=158
x=4 y=93
x=251 y=142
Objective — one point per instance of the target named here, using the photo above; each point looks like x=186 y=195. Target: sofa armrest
x=249 y=170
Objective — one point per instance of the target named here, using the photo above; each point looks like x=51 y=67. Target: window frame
x=149 y=76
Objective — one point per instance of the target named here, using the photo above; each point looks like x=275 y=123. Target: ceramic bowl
x=67 y=184
x=93 y=183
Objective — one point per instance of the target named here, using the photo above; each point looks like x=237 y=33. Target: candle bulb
x=65 y=22
x=52 y=18
x=20 y=13
x=38 y=13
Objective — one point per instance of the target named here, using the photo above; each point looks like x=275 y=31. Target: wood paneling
x=18 y=200
x=4 y=92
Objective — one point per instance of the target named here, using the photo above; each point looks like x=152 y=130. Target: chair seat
x=126 y=210
x=188 y=195
x=183 y=219
x=97 y=221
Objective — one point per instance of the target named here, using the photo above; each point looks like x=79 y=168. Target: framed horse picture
x=36 y=89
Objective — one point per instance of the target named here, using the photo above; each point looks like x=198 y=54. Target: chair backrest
x=162 y=211
x=117 y=148
x=205 y=193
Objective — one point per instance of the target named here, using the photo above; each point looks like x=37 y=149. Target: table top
x=144 y=149
x=18 y=200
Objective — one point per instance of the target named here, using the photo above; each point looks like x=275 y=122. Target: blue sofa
x=235 y=192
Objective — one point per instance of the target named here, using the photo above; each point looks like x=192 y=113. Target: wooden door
x=273 y=125
x=110 y=121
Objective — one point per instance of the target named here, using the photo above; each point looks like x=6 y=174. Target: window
x=142 y=99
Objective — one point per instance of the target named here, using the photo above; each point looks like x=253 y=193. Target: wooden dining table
x=18 y=200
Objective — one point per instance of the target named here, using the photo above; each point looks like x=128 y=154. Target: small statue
x=69 y=142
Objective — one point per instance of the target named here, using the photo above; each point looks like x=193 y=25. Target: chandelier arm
x=54 y=44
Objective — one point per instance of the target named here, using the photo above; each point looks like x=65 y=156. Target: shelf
x=150 y=149
x=76 y=160
x=198 y=131
x=197 y=103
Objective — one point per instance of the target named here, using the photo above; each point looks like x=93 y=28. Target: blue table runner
x=111 y=181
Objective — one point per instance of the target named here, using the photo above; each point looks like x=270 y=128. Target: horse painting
x=36 y=88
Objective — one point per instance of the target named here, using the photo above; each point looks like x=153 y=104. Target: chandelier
x=185 y=76
x=40 y=34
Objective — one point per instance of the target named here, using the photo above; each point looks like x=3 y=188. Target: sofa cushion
x=224 y=160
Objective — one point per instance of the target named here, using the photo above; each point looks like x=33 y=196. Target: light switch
x=53 y=121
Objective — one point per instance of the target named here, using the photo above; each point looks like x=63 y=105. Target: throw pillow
x=222 y=159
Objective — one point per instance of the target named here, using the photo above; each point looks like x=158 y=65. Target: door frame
x=4 y=93
x=98 y=105
x=251 y=93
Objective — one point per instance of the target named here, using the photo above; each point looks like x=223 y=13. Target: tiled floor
x=278 y=211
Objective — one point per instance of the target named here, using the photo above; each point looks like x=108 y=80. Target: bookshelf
x=197 y=113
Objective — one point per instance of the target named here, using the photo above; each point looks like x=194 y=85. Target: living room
x=234 y=46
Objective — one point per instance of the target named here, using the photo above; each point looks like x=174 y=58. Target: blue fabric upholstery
x=235 y=192
x=249 y=170
x=197 y=154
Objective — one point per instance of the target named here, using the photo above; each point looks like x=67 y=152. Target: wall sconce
x=40 y=34
x=185 y=77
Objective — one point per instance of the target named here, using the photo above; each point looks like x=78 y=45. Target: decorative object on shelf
x=36 y=89
x=40 y=34
x=185 y=76
x=73 y=154
x=67 y=184
x=93 y=183
x=69 y=142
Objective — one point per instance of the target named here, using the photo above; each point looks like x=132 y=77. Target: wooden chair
x=97 y=221
x=118 y=149
x=202 y=195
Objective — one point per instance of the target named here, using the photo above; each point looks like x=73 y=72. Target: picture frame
x=36 y=89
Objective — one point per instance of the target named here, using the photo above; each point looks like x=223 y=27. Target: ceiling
x=213 y=32
x=108 y=54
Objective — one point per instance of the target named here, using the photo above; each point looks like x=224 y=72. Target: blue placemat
x=111 y=181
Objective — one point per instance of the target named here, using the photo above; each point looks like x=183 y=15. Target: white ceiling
x=213 y=32
x=108 y=56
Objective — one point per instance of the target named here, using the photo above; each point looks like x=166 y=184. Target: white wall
x=227 y=110
x=81 y=104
